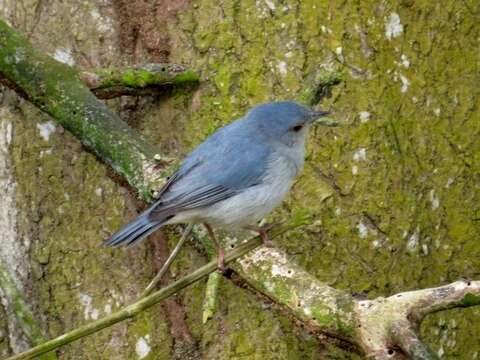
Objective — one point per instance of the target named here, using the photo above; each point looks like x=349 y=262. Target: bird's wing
x=224 y=165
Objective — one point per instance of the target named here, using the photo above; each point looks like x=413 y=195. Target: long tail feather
x=135 y=231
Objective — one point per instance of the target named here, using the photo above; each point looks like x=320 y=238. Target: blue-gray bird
x=234 y=178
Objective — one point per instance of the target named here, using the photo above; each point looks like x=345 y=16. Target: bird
x=237 y=176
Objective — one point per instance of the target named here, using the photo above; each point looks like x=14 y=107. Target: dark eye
x=297 y=128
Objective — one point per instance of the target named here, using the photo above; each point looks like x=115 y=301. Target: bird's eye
x=297 y=128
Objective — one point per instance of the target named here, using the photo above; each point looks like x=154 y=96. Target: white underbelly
x=247 y=207
x=252 y=204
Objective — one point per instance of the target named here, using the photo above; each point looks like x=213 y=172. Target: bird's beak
x=321 y=118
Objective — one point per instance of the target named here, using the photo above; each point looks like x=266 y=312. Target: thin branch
x=147 y=79
x=139 y=306
x=380 y=320
x=462 y=293
x=168 y=262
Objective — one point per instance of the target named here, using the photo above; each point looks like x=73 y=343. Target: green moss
x=135 y=78
x=55 y=88
x=188 y=76
x=4 y=341
x=471 y=299
x=141 y=77
x=74 y=206
x=29 y=325
x=241 y=317
x=318 y=85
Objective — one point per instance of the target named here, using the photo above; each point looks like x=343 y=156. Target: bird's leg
x=220 y=251
x=262 y=232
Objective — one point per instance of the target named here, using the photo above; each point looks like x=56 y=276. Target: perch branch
x=147 y=79
x=370 y=325
x=139 y=306
x=269 y=271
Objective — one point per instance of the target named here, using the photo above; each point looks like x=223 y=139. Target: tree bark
x=405 y=166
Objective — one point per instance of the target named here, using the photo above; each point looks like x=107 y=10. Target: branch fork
x=386 y=325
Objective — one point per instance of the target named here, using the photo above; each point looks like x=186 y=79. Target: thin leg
x=262 y=232
x=169 y=261
x=220 y=251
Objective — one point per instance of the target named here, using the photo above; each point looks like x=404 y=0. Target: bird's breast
x=255 y=202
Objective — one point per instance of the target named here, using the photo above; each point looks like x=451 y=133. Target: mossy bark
x=140 y=80
x=55 y=88
x=394 y=196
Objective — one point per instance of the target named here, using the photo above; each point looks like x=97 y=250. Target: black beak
x=319 y=117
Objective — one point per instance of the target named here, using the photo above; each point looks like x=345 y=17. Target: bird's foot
x=265 y=238
x=263 y=233
x=220 y=252
x=221 y=267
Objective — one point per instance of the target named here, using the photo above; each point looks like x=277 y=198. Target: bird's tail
x=136 y=230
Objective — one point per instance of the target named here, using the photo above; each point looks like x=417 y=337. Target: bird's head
x=284 y=121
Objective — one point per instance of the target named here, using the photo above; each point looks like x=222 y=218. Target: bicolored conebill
x=235 y=177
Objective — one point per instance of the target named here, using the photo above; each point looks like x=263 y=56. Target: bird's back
x=234 y=157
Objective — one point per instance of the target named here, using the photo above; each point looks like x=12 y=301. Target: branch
x=385 y=322
x=269 y=271
x=156 y=280
x=139 y=306
x=57 y=89
x=147 y=79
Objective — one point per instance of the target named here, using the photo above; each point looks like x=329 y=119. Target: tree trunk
x=394 y=195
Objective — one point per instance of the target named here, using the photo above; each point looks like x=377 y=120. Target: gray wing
x=230 y=161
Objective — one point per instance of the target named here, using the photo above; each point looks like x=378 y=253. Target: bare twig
x=167 y=263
